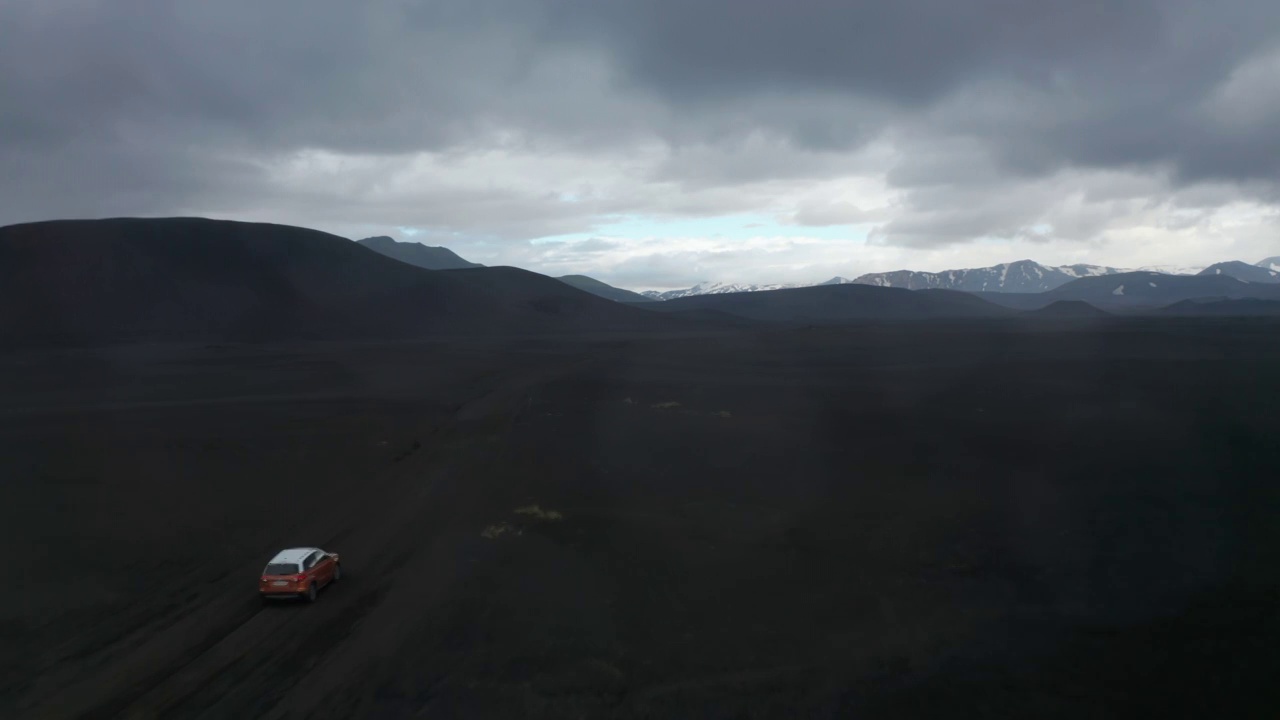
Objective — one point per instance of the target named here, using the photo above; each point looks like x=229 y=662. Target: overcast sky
x=657 y=143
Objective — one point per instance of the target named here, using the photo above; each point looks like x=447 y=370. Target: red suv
x=299 y=572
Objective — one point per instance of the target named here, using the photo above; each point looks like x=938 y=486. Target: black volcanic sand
x=964 y=520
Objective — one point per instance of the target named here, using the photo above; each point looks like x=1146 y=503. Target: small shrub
x=493 y=532
x=536 y=512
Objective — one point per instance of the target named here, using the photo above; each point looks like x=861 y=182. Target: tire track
x=165 y=674
x=92 y=705
x=156 y=700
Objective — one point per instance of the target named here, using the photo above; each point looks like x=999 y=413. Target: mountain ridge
x=1021 y=276
x=602 y=289
x=428 y=257
x=1243 y=271
x=1018 y=276
x=716 y=288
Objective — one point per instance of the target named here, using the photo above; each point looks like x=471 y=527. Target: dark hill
x=1243 y=307
x=423 y=256
x=1016 y=301
x=839 y=303
x=1077 y=309
x=604 y=290
x=94 y=281
x=551 y=298
x=1149 y=289
x=1138 y=291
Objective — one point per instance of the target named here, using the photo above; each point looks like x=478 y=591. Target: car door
x=309 y=568
x=326 y=567
x=321 y=568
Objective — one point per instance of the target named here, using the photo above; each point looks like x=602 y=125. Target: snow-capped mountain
x=1081 y=270
x=714 y=288
x=1271 y=263
x=1243 y=271
x=1023 y=276
x=1169 y=269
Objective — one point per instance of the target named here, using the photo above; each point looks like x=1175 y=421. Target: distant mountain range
x=717 y=288
x=191 y=279
x=1051 y=291
x=1023 y=276
x=423 y=256
x=1244 y=271
x=1169 y=269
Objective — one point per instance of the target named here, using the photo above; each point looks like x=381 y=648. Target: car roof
x=293 y=555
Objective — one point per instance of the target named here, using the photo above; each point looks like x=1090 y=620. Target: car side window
x=310 y=562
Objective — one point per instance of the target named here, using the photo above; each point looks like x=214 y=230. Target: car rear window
x=281 y=569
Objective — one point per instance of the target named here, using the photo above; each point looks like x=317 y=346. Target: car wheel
x=337 y=573
x=311 y=593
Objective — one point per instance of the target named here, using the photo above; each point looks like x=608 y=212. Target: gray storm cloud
x=643 y=107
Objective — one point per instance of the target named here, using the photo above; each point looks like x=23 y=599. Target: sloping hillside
x=1069 y=309
x=98 y=281
x=604 y=290
x=1243 y=307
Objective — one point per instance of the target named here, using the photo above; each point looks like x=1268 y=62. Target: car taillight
x=264 y=579
x=300 y=578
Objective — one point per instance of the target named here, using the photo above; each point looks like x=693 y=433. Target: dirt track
x=974 y=519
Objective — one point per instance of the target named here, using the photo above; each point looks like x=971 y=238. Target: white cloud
x=489 y=205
